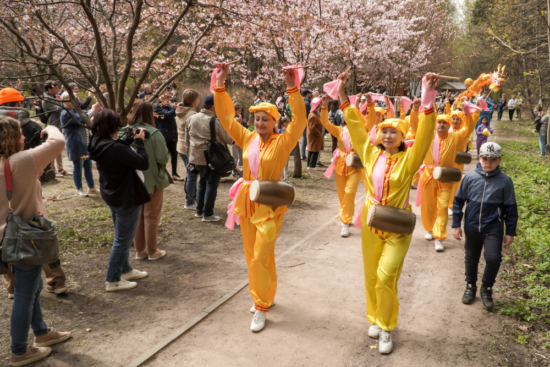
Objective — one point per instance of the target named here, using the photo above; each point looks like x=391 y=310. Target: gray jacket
x=544 y=125
x=54 y=109
x=197 y=133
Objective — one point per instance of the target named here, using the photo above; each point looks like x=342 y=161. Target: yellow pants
x=433 y=208
x=383 y=257
x=455 y=186
x=347 y=189
x=416 y=178
x=259 y=250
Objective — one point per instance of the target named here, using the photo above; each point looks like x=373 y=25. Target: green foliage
x=523 y=339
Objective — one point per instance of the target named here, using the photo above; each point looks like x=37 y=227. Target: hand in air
x=222 y=74
x=289 y=77
x=369 y=97
x=358 y=100
x=416 y=103
x=324 y=101
x=431 y=80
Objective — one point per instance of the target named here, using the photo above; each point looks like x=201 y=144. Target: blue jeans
x=304 y=144
x=500 y=112
x=208 y=191
x=542 y=143
x=26 y=311
x=190 y=183
x=126 y=221
x=77 y=173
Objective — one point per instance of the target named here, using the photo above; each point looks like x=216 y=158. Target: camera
x=128 y=136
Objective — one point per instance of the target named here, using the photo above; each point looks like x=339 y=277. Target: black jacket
x=117 y=163
x=166 y=122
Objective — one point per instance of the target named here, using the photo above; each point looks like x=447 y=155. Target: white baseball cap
x=490 y=150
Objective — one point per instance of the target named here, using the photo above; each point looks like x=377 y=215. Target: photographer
x=122 y=189
x=166 y=123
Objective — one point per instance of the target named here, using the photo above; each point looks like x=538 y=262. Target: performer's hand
x=508 y=240
x=416 y=103
x=369 y=97
x=288 y=75
x=324 y=101
x=222 y=74
x=457 y=233
x=431 y=80
x=343 y=78
x=358 y=100
x=447 y=94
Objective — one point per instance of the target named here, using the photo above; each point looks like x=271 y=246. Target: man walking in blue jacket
x=491 y=204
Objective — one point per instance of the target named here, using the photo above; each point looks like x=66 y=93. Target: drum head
x=349 y=160
x=437 y=173
x=254 y=192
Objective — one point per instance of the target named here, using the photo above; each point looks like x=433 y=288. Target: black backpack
x=42 y=114
x=217 y=155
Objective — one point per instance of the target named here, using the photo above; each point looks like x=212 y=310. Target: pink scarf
x=337 y=152
x=437 y=159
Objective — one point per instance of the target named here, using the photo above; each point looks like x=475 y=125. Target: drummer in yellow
x=434 y=196
x=265 y=154
x=389 y=170
x=347 y=178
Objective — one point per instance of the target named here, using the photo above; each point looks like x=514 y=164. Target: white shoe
x=81 y=193
x=450 y=211
x=120 y=286
x=439 y=245
x=258 y=321
x=10 y=295
x=345 y=230
x=212 y=218
x=191 y=207
x=429 y=236
x=253 y=309
x=58 y=174
x=134 y=274
x=374 y=331
x=93 y=190
x=385 y=345
x=197 y=215
x=413 y=186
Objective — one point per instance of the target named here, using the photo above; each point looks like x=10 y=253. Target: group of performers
x=392 y=152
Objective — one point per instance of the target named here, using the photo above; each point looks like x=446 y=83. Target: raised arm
x=469 y=121
x=226 y=115
x=414 y=117
x=298 y=110
x=331 y=128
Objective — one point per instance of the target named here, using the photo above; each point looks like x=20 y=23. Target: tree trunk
x=297 y=162
x=527 y=92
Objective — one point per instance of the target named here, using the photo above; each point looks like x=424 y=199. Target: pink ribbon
x=298 y=74
x=330 y=169
x=468 y=108
x=435 y=150
x=352 y=100
x=483 y=104
x=372 y=135
x=382 y=98
x=315 y=102
x=408 y=144
x=406 y=102
x=345 y=138
x=213 y=80
x=332 y=89
x=428 y=95
x=357 y=222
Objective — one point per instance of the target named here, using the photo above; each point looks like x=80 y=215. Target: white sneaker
x=10 y=295
x=385 y=345
x=120 y=286
x=81 y=193
x=58 y=174
x=439 y=245
x=134 y=274
x=374 y=331
x=429 y=236
x=413 y=186
x=93 y=190
x=345 y=230
x=197 y=215
x=450 y=211
x=190 y=207
x=258 y=321
x=253 y=309
x=212 y=218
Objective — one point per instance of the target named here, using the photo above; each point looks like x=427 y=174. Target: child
x=491 y=202
x=483 y=131
x=282 y=126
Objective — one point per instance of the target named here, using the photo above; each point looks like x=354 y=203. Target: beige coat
x=182 y=114
x=198 y=133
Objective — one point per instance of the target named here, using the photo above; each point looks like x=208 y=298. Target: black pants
x=475 y=242
x=171 y=145
x=511 y=114
x=334 y=143
x=312 y=158
x=500 y=111
x=207 y=191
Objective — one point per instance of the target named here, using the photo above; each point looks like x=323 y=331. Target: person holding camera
x=166 y=123
x=26 y=168
x=122 y=189
x=157 y=179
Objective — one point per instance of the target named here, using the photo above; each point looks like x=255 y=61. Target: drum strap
x=345 y=138
x=372 y=134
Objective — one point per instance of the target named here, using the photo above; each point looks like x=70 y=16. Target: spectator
x=519 y=103
x=500 y=106
x=483 y=131
x=122 y=189
x=307 y=95
x=53 y=109
x=197 y=134
x=314 y=139
x=26 y=167
x=83 y=105
x=316 y=93
x=511 y=107
x=157 y=179
x=280 y=102
x=190 y=103
x=260 y=98
x=166 y=123
x=147 y=92
x=173 y=95
x=543 y=133
x=76 y=139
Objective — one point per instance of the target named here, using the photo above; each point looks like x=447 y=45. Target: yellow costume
x=347 y=178
x=384 y=253
x=260 y=224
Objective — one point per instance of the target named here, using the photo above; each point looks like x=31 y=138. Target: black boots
x=486 y=294
x=469 y=294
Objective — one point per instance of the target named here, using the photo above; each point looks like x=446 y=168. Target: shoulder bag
x=217 y=155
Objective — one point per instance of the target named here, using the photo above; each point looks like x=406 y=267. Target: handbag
x=30 y=243
x=217 y=155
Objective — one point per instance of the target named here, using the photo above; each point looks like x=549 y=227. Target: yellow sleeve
x=414 y=118
x=334 y=130
x=447 y=108
x=371 y=119
x=422 y=142
x=402 y=112
x=299 y=120
x=359 y=136
x=388 y=112
x=225 y=111
x=469 y=122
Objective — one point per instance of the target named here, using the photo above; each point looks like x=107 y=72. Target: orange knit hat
x=10 y=95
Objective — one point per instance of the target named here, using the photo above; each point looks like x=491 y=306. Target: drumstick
x=233 y=62
x=348 y=69
x=448 y=77
x=298 y=67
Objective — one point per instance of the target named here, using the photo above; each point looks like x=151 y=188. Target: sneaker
x=304 y=159
x=374 y=331
x=319 y=164
x=212 y=218
x=385 y=345
x=141 y=255
x=51 y=338
x=413 y=186
x=31 y=355
x=157 y=255
x=345 y=230
x=258 y=321
x=92 y=190
x=486 y=294
x=81 y=193
x=197 y=215
x=253 y=308
x=57 y=289
x=62 y=172
x=122 y=285
x=134 y=274
x=10 y=295
x=469 y=294
x=439 y=245
x=191 y=207
x=429 y=236
x=58 y=174
x=450 y=211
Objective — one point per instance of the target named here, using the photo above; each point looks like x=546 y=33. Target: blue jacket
x=76 y=135
x=491 y=201
x=166 y=122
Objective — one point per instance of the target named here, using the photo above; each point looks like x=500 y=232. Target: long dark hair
x=106 y=123
x=142 y=113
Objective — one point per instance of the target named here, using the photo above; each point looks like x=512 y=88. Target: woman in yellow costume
x=389 y=171
x=265 y=154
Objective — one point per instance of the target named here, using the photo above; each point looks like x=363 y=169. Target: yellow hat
x=447 y=118
x=268 y=108
x=457 y=113
x=380 y=109
x=398 y=124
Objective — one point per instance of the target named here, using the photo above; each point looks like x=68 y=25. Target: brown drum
x=353 y=160
x=447 y=174
x=391 y=219
x=463 y=158
x=272 y=193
